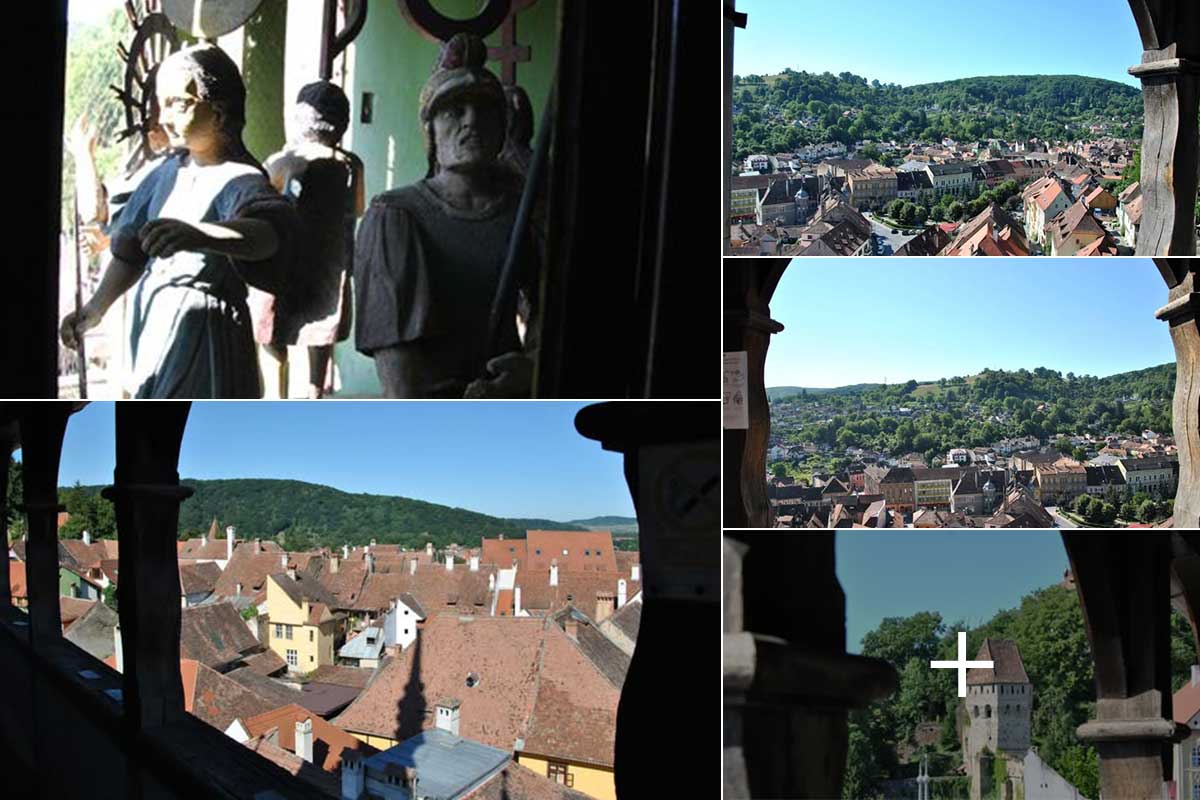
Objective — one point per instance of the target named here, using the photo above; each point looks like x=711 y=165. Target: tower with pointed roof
x=998 y=710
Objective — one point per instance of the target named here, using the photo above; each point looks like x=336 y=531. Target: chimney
x=304 y=739
x=554 y=572
x=257 y=546
x=474 y=563
x=572 y=628
x=119 y=652
x=604 y=606
x=449 y=563
x=447 y=715
x=87 y=538
x=621 y=593
x=429 y=549
x=636 y=572
x=370 y=564
x=354 y=774
x=346 y=551
x=1195 y=675
x=239 y=588
x=502 y=537
x=333 y=565
x=203 y=539
x=491 y=583
x=230 y=538
x=517 y=601
x=372 y=543
x=412 y=567
x=291 y=573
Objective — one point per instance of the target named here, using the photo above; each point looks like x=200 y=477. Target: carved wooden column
x=748 y=326
x=1124 y=587
x=1180 y=312
x=146 y=495
x=42 y=429
x=789 y=682
x=733 y=19
x=672 y=469
x=9 y=441
x=1170 y=76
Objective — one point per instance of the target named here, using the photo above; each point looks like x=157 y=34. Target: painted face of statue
x=186 y=119
x=468 y=132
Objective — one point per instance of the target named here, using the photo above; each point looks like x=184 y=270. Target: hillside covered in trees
x=977 y=410
x=1048 y=629
x=301 y=515
x=778 y=113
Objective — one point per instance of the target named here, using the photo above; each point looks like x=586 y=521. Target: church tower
x=998 y=709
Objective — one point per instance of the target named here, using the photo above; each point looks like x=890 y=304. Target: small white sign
x=733 y=391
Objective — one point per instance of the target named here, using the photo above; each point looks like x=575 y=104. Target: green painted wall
x=68 y=582
x=392 y=61
x=262 y=70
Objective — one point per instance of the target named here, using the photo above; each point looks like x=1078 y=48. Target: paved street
x=886 y=242
x=1059 y=520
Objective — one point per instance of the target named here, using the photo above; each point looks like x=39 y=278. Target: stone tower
x=998 y=708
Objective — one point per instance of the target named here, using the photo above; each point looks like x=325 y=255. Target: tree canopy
x=779 y=113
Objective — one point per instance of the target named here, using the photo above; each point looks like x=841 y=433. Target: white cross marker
x=962 y=665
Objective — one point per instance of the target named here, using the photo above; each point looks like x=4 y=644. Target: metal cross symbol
x=962 y=665
x=510 y=52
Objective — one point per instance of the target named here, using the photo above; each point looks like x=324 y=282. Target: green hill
x=302 y=515
x=777 y=392
x=599 y=522
x=778 y=113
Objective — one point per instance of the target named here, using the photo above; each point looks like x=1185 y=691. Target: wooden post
x=1124 y=590
x=42 y=429
x=146 y=495
x=9 y=441
x=672 y=469
x=789 y=682
x=1180 y=312
x=748 y=328
x=1170 y=76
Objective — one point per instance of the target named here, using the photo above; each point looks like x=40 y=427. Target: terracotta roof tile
x=215 y=698
x=517 y=782
x=575 y=714
x=342 y=676
x=586 y=551
x=195 y=578
x=1008 y=667
x=504 y=652
x=310 y=774
x=215 y=635
x=328 y=740
x=17 y=585
x=248 y=568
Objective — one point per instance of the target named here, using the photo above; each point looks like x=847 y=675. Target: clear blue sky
x=939 y=40
x=964 y=575
x=507 y=459
x=862 y=320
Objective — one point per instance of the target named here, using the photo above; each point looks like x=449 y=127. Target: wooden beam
x=42 y=429
x=146 y=495
x=1180 y=313
x=1124 y=588
x=748 y=327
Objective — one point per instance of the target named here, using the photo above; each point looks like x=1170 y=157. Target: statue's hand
x=514 y=378
x=75 y=324
x=83 y=137
x=92 y=240
x=163 y=238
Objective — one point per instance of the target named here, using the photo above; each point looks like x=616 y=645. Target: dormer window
x=537 y=552
x=472 y=680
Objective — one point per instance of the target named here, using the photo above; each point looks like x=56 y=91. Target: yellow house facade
x=594 y=780
x=301 y=626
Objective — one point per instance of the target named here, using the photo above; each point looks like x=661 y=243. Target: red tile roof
x=266 y=747
x=1186 y=702
x=215 y=635
x=504 y=652
x=533 y=683
x=72 y=608
x=517 y=782
x=575 y=714
x=1007 y=667
x=328 y=739
x=216 y=699
x=575 y=551
x=16 y=580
